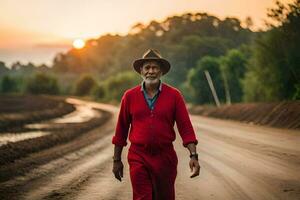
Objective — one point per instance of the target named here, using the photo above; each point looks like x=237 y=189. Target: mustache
x=151 y=76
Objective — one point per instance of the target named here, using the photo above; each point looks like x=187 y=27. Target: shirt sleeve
x=124 y=120
x=183 y=122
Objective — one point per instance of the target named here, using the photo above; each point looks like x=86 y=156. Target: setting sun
x=78 y=43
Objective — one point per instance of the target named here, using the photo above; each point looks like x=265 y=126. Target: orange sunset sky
x=52 y=25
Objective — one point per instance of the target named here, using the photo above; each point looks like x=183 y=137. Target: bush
x=98 y=92
x=84 y=85
x=42 y=84
x=115 y=86
x=297 y=93
x=8 y=84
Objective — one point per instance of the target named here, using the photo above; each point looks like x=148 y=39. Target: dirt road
x=238 y=162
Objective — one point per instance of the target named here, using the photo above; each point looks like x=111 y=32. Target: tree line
x=245 y=66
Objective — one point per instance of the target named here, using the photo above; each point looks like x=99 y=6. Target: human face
x=151 y=72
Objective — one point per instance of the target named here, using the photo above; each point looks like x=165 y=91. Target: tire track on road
x=68 y=181
x=105 y=186
x=261 y=175
x=42 y=173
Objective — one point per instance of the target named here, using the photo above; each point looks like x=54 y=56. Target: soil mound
x=281 y=115
x=16 y=111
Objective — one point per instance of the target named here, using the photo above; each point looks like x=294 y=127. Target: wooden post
x=212 y=88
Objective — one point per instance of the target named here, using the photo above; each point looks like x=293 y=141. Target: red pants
x=153 y=172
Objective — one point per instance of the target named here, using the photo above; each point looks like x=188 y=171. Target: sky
x=35 y=30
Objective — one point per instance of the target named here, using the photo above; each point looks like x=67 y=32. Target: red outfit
x=151 y=157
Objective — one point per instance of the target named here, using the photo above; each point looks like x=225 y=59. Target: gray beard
x=151 y=81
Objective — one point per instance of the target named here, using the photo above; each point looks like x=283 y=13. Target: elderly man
x=150 y=111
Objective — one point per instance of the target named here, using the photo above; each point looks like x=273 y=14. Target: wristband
x=195 y=155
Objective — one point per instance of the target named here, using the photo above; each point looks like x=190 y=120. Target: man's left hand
x=195 y=166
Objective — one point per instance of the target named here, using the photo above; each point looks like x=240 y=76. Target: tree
x=181 y=39
x=248 y=22
x=186 y=54
x=274 y=73
x=3 y=68
x=198 y=82
x=42 y=84
x=233 y=67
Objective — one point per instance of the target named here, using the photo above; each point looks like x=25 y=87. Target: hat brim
x=165 y=65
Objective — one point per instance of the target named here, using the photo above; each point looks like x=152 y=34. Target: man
x=150 y=111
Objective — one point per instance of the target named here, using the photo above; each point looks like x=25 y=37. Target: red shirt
x=156 y=126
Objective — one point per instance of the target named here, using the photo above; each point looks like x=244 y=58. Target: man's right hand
x=118 y=170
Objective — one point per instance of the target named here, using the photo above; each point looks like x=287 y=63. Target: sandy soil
x=239 y=161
